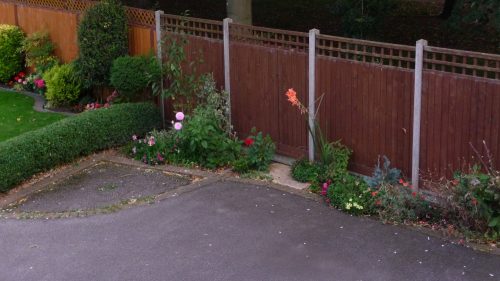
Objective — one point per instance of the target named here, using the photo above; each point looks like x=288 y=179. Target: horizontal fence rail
x=367 y=51
x=192 y=26
x=269 y=37
x=462 y=62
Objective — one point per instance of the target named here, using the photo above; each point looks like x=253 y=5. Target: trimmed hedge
x=64 y=141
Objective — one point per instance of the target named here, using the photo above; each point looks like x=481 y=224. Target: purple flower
x=179 y=116
x=178 y=126
x=160 y=158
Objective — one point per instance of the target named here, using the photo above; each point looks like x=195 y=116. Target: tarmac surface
x=228 y=230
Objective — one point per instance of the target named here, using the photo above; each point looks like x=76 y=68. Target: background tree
x=240 y=11
x=482 y=13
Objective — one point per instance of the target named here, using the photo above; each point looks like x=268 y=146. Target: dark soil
x=101 y=185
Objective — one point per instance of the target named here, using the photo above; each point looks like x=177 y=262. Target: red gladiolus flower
x=414 y=194
x=248 y=141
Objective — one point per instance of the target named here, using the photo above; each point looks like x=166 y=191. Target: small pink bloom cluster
x=179 y=116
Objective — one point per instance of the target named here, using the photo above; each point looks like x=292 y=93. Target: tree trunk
x=447 y=9
x=240 y=11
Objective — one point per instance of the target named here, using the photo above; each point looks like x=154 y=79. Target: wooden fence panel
x=8 y=13
x=61 y=25
x=260 y=77
x=141 y=40
x=369 y=108
x=458 y=110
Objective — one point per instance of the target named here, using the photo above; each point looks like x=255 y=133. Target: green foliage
x=305 y=171
x=39 y=50
x=63 y=85
x=475 y=202
x=61 y=142
x=360 y=18
x=130 y=76
x=102 y=37
x=204 y=141
x=258 y=154
x=476 y=12
x=351 y=194
x=11 y=59
x=401 y=204
x=336 y=159
x=183 y=84
x=383 y=174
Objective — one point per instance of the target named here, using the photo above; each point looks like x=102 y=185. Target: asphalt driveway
x=231 y=231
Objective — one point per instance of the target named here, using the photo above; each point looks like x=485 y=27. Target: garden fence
x=421 y=106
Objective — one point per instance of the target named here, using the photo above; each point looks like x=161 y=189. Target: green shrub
x=61 y=142
x=351 y=194
x=130 y=76
x=383 y=174
x=258 y=154
x=11 y=59
x=475 y=201
x=305 y=171
x=203 y=141
x=39 y=51
x=63 y=85
x=102 y=37
x=402 y=204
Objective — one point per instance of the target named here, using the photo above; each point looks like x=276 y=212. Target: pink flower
x=134 y=137
x=178 y=126
x=19 y=80
x=160 y=158
x=179 y=116
x=25 y=82
x=39 y=83
x=151 y=141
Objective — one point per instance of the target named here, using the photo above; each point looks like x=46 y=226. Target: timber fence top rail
x=192 y=26
x=468 y=63
x=135 y=16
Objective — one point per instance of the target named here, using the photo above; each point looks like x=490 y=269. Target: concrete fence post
x=417 y=109
x=159 y=56
x=227 y=64
x=312 y=92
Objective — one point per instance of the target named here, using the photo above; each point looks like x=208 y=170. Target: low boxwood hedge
x=61 y=142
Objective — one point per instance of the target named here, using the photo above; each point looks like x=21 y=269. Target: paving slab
x=231 y=231
x=281 y=174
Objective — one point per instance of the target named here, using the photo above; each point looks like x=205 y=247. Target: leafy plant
x=61 y=142
x=11 y=59
x=257 y=155
x=401 y=203
x=383 y=174
x=39 y=50
x=102 y=37
x=204 y=141
x=130 y=76
x=350 y=194
x=475 y=202
x=63 y=85
x=305 y=171
x=183 y=84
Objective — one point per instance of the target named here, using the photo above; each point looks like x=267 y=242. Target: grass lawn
x=17 y=115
